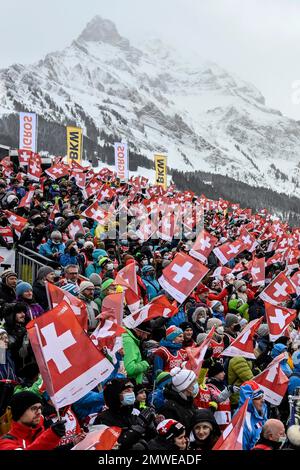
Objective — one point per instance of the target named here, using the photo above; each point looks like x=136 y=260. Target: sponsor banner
x=74 y=144
x=161 y=170
x=28 y=132
x=121 y=161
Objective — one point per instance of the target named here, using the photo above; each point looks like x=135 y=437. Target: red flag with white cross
x=196 y=355
x=58 y=171
x=243 y=344
x=24 y=156
x=34 y=170
x=258 y=271
x=158 y=307
x=181 y=276
x=273 y=381
x=229 y=250
x=203 y=246
x=296 y=281
x=232 y=436
x=58 y=340
x=95 y=212
x=26 y=200
x=278 y=319
x=278 y=290
x=16 y=221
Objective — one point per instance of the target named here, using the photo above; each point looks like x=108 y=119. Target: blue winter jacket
x=254 y=421
x=294 y=380
x=218 y=315
x=156 y=398
x=172 y=347
x=66 y=259
x=49 y=248
x=91 y=403
x=153 y=287
x=276 y=351
x=177 y=319
x=94 y=266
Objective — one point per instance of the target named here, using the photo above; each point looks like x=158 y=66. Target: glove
x=59 y=428
x=144 y=420
x=233 y=388
x=213 y=406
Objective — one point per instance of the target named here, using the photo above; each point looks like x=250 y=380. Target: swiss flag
x=203 y=246
x=7 y=234
x=76 y=168
x=248 y=239
x=296 y=281
x=92 y=188
x=58 y=295
x=106 y=333
x=106 y=192
x=58 y=342
x=126 y=277
x=278 y=319
x=55 y=210
x=273 y=381
x=17 y=222
x=277 y=258
x=112 y=307
x=278 y=290
x=74 y=227
x=181 y=276
x=158 y=307
x=146 y=230
x=34 y=170
x=196 y=355
x=221 y=272
x=104 y=438
x=168 y=226
x=243 y=344
x=257 y=270
x=95 y=212
x=292 y=258
x=57 y=171
x=24 y=156
x=26 y=200
x=229 y=250
x=80 y=179
x=232 y=436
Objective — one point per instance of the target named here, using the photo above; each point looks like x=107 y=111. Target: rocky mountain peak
x=102 y=30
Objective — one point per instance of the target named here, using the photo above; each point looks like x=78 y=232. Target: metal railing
x=28 y=263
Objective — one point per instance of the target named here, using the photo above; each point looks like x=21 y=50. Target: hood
x=277 y=350
x=170 y=345
x=246 y=391
x=205 y=415
x=97 y=253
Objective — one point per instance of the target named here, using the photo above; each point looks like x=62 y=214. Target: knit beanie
x=263 y=330
x=6 y=274
x=182 y=378
x=185 y=325
x=238 y=284
x=23 y=287
x=85 y=285
x=172 y=332
x=200 y=338
x=43 y=272
x=95 y=279
x=169 y=428
x=162 y=377
x=213 y=322
x=230 y=320
x=20 y=402
x=106 y=284
x=215 y=369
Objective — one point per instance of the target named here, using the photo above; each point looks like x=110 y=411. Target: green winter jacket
x=35 y=387
x=134 y=365
x=242 y=310
x=239 y=371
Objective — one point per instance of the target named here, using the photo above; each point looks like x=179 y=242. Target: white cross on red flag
x=58 y=342
x=26 y=200
x=127 y=278
x=106 y=334
x=158 y=307
x=296 y=281
x=248 y=239
x=16 y=221
x=57 y=171
x=196 y=355
x=232 y=436
x=80 y=179
x=273 y=381
x=258 y=271
x=24 y=156
x=181 y=276
x=203 y=246
x=74 y=227
x=57 y=295
x=243 y=344
x=278 y=319
x=113 y=307
x=229 y=250
x=92 y=188
x=278 y=290
x=34 y=170
x=95 y=212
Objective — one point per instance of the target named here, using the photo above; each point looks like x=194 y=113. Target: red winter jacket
x=21 y=437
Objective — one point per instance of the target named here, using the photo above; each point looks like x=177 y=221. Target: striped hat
x=182 y=378
x=172 y=332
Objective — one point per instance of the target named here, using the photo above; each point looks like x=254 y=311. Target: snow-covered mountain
x=203 y=117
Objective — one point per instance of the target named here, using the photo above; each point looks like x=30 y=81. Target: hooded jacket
x=254 y=421
x=178 y=408
x=26 y=438
x=294 y=380
x=133 y=363
x=239 y=371
x=276 y=351
x=49 y=248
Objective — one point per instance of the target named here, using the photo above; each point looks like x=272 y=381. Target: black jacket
x=40 y=295
x=176 y=407
x=7 y=295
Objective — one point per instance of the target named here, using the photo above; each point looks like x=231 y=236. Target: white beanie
x=293 y=435
x=213 y=322
x=182 y=378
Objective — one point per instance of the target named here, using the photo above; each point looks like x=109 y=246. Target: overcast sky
x=257 y=39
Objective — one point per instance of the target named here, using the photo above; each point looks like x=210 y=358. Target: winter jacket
x=91 y=403
x=49 y=248
x=16 y=333
x=133 y=363
x=175 y=350
x=21 y=437
x=8 y=370
x=239 y=371
x=178 y=408
x=33 y=309
x=256 y=309
x=92 y=311
x=40 y=294
x=7 y=295
x=266 y=444
x=152 y=285
x=177 y=319
x=200 y=416
x=254 y=421
x=294 y=380
x=276 y=351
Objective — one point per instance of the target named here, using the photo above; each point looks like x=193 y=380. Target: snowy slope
x=203 y=117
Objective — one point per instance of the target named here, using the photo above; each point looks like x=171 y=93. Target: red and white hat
x=169 y=428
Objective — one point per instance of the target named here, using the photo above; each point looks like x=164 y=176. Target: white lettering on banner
x=279 y=318
x=245 y=337
x=205 y=243
x=182 y=272
x=234 y=249
x=280 y=289
x=272 y=374
x=27 y=138
x=56 y=345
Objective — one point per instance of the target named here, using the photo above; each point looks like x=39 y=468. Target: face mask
x=128 y=399
x=282 y=439
x=195 y=389
x=202 y=320
x=243 y=289
x=81 y=240
x=110 y=266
